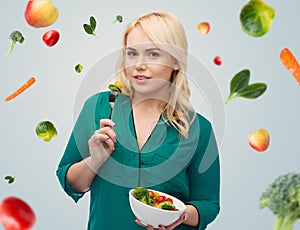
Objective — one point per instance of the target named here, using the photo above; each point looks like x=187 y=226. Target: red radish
x=16 y=214
x=51 y=37
x=218 y=60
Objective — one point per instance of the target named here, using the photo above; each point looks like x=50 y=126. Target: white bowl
x=147 y=214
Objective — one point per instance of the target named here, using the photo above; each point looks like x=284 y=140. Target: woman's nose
x=141 y=63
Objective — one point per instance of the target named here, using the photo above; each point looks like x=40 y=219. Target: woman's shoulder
x=203 y=121
x=98 y=98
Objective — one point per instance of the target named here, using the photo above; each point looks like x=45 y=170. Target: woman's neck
x=147 y=103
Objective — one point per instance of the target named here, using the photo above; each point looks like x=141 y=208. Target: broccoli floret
x=15 y=36
x=282 y=197
x=141 y=193
x=166 y=205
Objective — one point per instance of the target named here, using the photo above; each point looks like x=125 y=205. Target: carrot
x=21 y=89
x=291 y=64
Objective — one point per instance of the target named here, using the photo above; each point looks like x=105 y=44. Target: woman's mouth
x=141 y=78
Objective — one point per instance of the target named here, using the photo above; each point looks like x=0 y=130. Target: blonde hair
x=166 y=31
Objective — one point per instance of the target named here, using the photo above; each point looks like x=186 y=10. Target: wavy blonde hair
x=168 y=34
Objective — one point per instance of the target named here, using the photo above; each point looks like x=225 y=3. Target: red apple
x=203 y=27
x=40 y=13
x=259 y=140
x=16 y=214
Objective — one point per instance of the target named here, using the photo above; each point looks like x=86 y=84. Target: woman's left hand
x=161 y=227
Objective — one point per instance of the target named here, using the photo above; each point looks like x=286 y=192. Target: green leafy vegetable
x=115 y=88
x=91 y=28
x=141 y=193
x=282 y=197
x=46 y=130
x=167 y=205
x=253 y=90
x=118 y=18
x=256 y=18
x=78 y=68
x=239 y=87
x=93 y=23
x=15 y=36
x=239 y=81
x=10 y=179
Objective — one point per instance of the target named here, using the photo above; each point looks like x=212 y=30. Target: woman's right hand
x=101 y=144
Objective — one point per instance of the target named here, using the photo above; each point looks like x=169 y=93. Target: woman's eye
x=154 y=54
x=131 y=53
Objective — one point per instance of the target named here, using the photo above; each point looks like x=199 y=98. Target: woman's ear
x=176 y=66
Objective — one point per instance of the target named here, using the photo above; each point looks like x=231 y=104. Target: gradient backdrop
x=245 y=172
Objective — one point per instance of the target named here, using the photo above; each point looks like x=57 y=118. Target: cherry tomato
x=218 y=60
x=151 y=194
x=16 y=214
x=51 y=37
x=161 y=199
x=169 y=199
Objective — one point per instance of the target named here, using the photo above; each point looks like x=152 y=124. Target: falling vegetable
x=259 y=140
x=119 y=19
x=239 y=87
x=45 y=130
x=78 y=68
x=16 y=214
x=218 y=60
x=282 y=197
x=91 y=28
x=203 y=27
x=51 y=37
x=256 y=18
x=291 y=64
x=21 y=89
x=15 y=36
x=10 y=179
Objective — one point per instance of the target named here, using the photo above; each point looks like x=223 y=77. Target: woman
x=154 y=139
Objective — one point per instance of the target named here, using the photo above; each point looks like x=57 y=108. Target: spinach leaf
x=239 y=86
x=253 y=91
x=91 y=28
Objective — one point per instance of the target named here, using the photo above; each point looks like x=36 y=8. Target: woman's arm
x=191 y=216
x=204 y=177
x=101 y=145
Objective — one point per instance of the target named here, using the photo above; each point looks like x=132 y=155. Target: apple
x=203 y=27
x=16 y=214
x=40 y=13
x=259 y=140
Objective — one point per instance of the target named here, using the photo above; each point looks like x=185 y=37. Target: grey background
x=245 y=173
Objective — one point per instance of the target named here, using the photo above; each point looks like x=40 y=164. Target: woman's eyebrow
x=129 y=48
x=147 y=50
x=153 y=49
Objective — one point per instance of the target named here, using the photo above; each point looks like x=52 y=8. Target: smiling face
x=148 y=68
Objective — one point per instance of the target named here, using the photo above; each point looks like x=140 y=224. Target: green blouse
x=185 y=168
